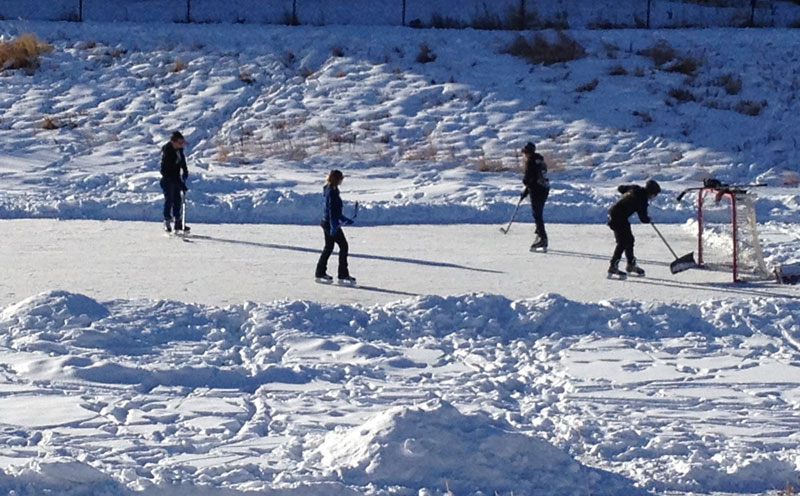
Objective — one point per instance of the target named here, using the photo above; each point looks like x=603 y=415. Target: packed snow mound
x=434 y=446
x=51 y=316
x=62 y=477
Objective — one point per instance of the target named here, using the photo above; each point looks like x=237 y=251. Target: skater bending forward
x=634 y=200
x=537 y=185
x=332 y=222
x=173 y=181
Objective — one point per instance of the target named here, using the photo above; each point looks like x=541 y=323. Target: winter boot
x=613 y=270
x=347 y=280
x=324 y=278
x=180 y=227
x=634 y=269
x=168 y=225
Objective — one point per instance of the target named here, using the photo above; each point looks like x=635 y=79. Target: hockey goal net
x=727 y=237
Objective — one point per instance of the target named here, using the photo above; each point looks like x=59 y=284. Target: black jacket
x=536 y=174
x=634 y=200
x=173 y=162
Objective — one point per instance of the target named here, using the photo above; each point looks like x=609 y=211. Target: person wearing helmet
x=635 y=199
x=537 y=185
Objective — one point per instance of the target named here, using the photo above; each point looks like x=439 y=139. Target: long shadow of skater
x=594 y=256
x=275 y=246
x=730 y=287
x=374 y=289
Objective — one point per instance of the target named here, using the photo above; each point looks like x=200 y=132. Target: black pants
x=172 y=199
x=624 y=237
x=538 y=199
x=339 y=239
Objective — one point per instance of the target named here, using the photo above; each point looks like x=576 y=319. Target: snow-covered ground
x=472 y=392
x=411 y=137
x=135 y=363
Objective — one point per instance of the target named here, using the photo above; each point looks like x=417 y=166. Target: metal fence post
x=188 y=11
x=80 y=10
x=404 y=12
x=648 y=14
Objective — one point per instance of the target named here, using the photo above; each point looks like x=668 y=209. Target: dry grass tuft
x=24 y=52
x=541 y=51
x=586 y=87
x=749 y=107
x=682 y=95
x=732 y=84
x=686 y=66
x=618 y=70
x=246 y=77
x=425 y=54
x=660 y=53
x=178 y=65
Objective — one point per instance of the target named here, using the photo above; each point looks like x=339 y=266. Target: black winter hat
x=529 y=148
x=652 y=187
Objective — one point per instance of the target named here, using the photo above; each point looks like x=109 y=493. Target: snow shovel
x=504 y=230
x=680 y=264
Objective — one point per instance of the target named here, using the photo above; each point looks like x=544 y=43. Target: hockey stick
x=504 y=230
x=680 y=264
x=183 y=211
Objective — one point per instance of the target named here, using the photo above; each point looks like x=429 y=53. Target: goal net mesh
x=728 y=234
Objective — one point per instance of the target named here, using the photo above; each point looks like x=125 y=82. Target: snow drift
x=538 y=395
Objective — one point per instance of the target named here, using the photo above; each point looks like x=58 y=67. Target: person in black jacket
x=634 y=199
x=332 y=222
x=537 y=185
x=174 y=173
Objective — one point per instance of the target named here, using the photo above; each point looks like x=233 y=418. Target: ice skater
x=635 y=199
x=332 y=222
x=174 y=173
x=537 y=185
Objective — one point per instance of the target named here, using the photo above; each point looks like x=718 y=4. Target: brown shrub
x=24 y=52
x=660 y=53
x=50 y=123
x=682 y=95
x=541 y=51
x=749 y=107
x=590 y=86
x=178 y=65
x=246 y=77
x=618 y=70
x=643 y=115
x=686 y=65
x=732 y=85
x=425 y=54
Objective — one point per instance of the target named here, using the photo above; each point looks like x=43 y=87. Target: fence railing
x=481 y=14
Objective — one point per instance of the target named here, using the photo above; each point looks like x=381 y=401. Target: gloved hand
x=334 y=228
x=184 y=188
x=347 y=221
x=523 y=194
x=647 y=220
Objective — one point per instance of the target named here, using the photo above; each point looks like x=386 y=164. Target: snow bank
x=435 y=446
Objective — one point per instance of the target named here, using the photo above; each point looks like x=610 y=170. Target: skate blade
x=320 y=280
x=619 y=277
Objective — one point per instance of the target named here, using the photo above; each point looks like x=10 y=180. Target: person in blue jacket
x=332 y=222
